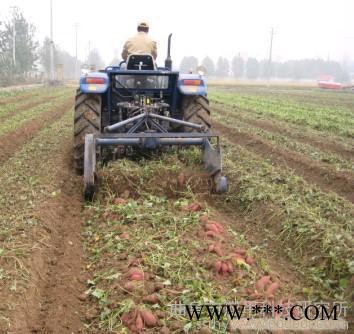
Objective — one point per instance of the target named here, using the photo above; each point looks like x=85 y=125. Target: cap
x=143 y=24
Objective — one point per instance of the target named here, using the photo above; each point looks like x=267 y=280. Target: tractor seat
x=140 y=62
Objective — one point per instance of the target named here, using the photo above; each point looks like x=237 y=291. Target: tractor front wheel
x=87 y=119
x=196 y=110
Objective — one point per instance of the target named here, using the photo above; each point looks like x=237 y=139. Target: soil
x=53 y=304
x=313 y=172
x=14 y=140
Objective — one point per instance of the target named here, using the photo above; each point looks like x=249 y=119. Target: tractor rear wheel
x=87 y=119
x=196 y=110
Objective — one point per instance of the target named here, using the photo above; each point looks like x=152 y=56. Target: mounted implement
x=137 y=105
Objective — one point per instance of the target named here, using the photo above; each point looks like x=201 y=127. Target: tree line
x=252 y=68
x=31 y=59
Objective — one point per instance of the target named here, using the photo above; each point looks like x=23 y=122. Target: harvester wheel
x=87 y=119
x=196 y=110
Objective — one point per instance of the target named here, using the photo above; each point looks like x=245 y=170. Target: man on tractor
x=141 y=43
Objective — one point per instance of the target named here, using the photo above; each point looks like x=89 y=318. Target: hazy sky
x=303 y=28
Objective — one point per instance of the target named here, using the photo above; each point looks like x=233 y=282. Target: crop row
x=26 y=182
x=334 y=120
x=232 y=120
x=310 y=224
x=38 y=97
x=22 y=117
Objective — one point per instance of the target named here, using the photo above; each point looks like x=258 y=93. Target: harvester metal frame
x=151 y=140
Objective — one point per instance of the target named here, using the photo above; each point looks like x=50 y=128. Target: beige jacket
x=141 y=43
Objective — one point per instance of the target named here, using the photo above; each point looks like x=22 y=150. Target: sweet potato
x=119 y=201
x=136 y=277
x=139 y=322
x=129 y=286
x=230 y=269
x=240 y=251
x=134 y=270
x=217 y=250
x=148 y=318
x=271 y=290
x=164 y=330
x=135 y=274
x=249 y=260
x=218 y=266
x=151 y=299
x=126 y=319
x=224 y=268
x=160 y=314
x=217 y=224
x=212 y=227
x=192 y=207
x=211 y=234
x=124 y=235
x=262 y=282
x=237 y=259
x=237 y=256
x=181 y=180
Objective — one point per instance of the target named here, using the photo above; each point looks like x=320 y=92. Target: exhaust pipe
x=168 y=60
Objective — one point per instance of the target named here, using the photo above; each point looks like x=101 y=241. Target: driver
x=141 y=43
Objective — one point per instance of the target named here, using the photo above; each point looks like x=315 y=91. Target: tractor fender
x=94 y=82
x=200 y=88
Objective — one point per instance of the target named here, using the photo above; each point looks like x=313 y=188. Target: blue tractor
x=138 y=106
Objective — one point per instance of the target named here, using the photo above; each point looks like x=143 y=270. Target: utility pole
x=52 y=75
x=76 y=61
x=13 y=36
x=89 y=50
x=270 y=54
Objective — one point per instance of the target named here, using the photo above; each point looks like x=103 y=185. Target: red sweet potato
x=181 y=180
x=240 y=251
x=271 y=290
x=211 y=234
x=218 y=266
x=192 y=207
x=124 y=235
x=129 y=286
x=262 y=282
x=217 y=224
x=148 y=318
x=217 y=250
x=249 y=260
x=139 y=322
x=224 y=268
x=212 y=227
x=137 y=277
x=119 y=201
x=151 y=299
x=230 y=269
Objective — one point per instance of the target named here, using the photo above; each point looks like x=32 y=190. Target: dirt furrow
x=328 y=180
x=47 y=195
x=65 y=281
x=282 y=128
x=30 y=103
x=11 y=142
